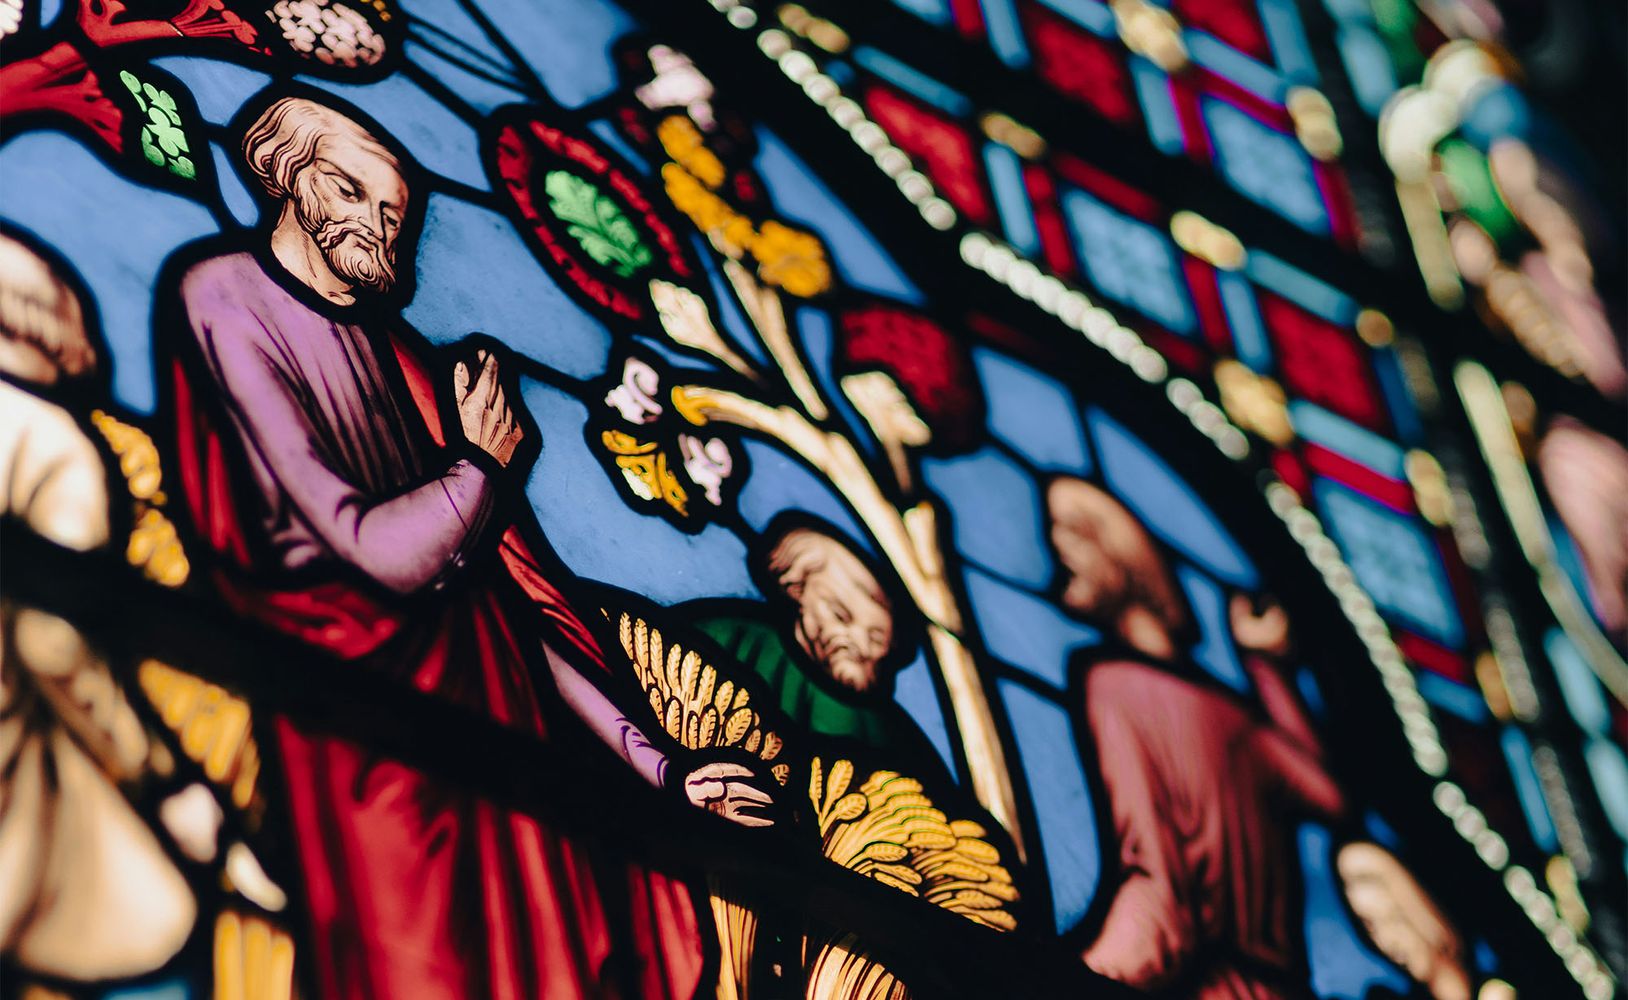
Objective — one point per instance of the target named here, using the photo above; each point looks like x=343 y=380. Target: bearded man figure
x=345 y=511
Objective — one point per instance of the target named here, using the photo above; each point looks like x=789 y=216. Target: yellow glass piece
x=254 y=959
x=1254 y=402
x=1207 y=241
x=685 y=692
x=1020 y=138
x=1375 y=328
x=1152 y=32
x=1314 y=123
x=788 y=258
x=645 y=468
x=683 y=142
x=214 y=727
x=1430 y=490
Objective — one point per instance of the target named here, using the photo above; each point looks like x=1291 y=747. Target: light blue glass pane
x=450 y=17
x=996 y=512
x=1005 y=33
x=1092 y=15
x=1342 y=963
x=1026 y=631
x=674 y=355
x=219 y=88
x=1571 y=563
x=478 y=92
x=566 y=43
x=1153 y=92
x=48 y=11
x=1288 y=38
x=819 y=347
x=166 y=989
x=1225 y=61
x=1368 y=64
x=1298 y=287
x=913 y=81
x=1062 y=800
x=476 y=275
x=232 y=191
x=731 y=321
x=800 y=196
x=1578 y=685
x=1032 y=413
x=439 y=140
x=1244 y=315
x=1305 y=681
x=1214 y=652
x=118 y=258
x=599 y=537
x=1382 y=832
x=1388 y=369
x=777 y=483
x=1518 y=753
x=1266 y=166
x=1501 y=112
x=1129 y=261
x=1166 y=504
x=606 y=133
x=932 y=11
x=913 y=689
x=1005 y=173
x=1358 y=443
x=1394 y=560
x=1450 y=696
x=1349 y=10
x=1609 y=769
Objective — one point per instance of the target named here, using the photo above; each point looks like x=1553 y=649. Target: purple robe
x=414 y=889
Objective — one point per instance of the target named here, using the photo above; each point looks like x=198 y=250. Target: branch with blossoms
x=668 y=432
x=89 y=71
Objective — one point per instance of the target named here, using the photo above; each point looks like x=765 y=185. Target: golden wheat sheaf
x=693 y=705
x=889 y=830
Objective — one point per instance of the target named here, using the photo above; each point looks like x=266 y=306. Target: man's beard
x=835 y=652
x=353 y=251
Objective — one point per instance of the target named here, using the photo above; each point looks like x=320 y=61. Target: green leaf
x=597 y=223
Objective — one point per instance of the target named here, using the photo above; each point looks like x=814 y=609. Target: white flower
x=708 y=464
x=635 y=398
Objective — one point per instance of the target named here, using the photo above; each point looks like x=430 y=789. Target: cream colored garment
x=86 y=892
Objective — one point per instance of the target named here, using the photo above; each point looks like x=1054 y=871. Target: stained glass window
x=958 y=498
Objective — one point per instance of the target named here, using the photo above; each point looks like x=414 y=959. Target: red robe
x=1204 y=797
x=414 y=888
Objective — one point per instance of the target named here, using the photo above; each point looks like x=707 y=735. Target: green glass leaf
x=597 y=223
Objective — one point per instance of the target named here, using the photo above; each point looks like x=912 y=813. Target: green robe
x=760 y=648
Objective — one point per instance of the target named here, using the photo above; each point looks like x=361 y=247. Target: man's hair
x=800 y=551
x=1121 y=538
x=283 y=141
x=39 y=308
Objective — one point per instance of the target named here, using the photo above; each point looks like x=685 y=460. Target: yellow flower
x=683 y=142
x=791 y=259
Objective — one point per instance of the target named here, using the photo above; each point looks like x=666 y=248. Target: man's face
x=1095 y=580
x=843 y=622
x=351 y=200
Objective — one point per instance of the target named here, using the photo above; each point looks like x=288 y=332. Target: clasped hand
x=488 y=422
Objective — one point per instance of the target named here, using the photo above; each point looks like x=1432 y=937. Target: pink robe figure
x=1204 y=796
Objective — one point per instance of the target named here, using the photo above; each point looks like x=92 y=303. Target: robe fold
x=326 y=492
x=1205 y=797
